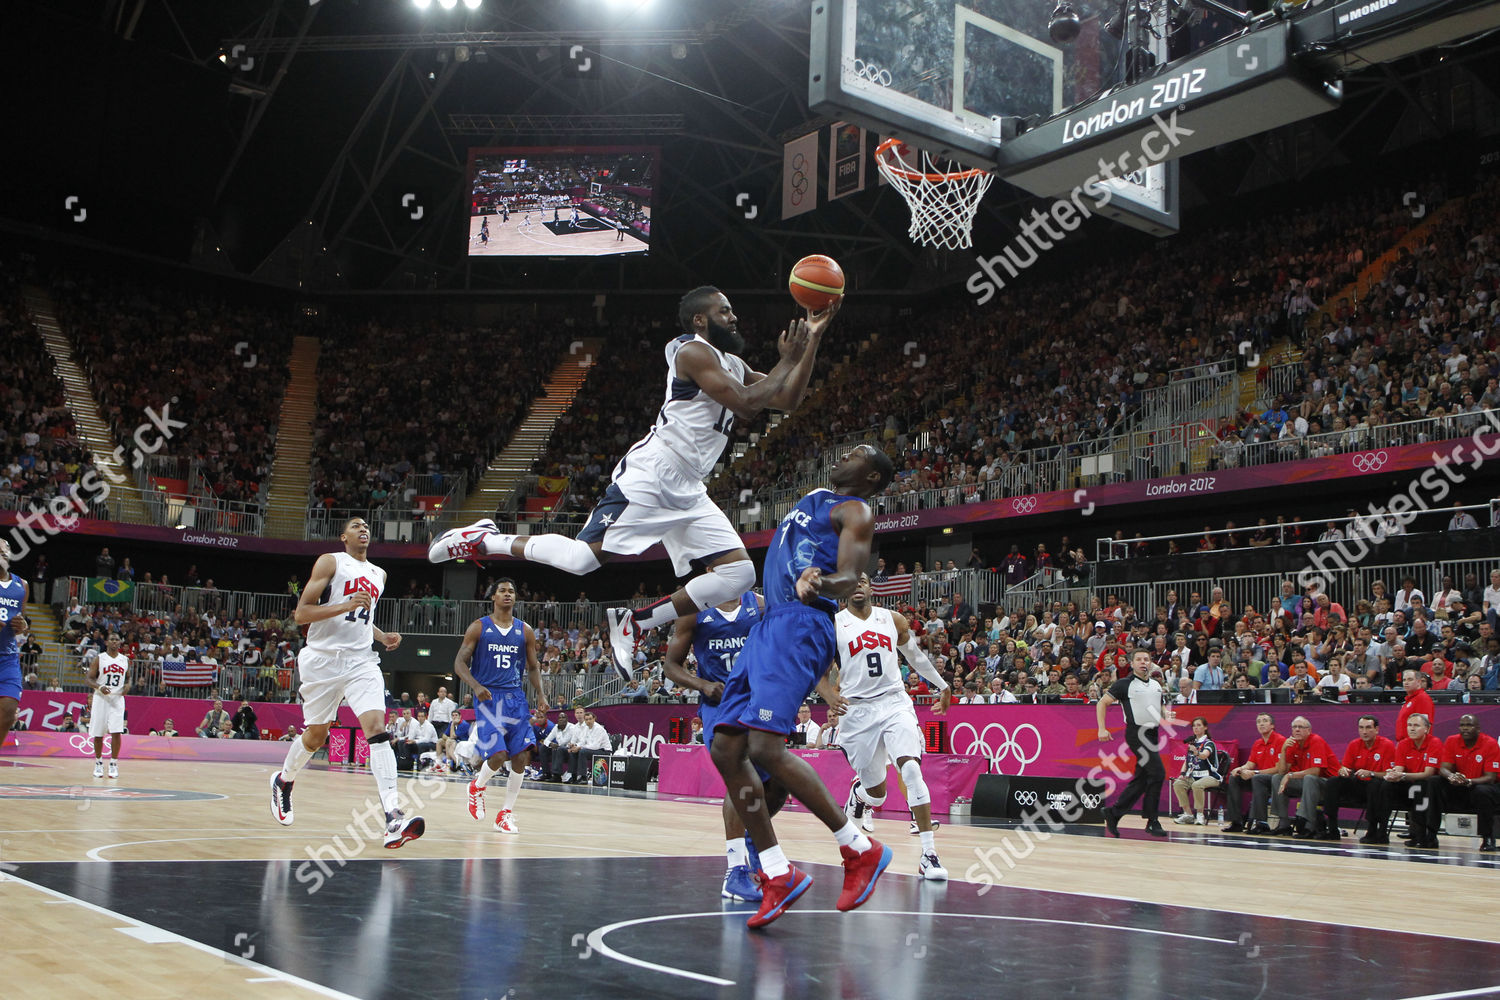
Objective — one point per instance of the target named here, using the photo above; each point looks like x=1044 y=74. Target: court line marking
x=93 y=854
x=1488 y=991
x=175 y=938
x=596 y=937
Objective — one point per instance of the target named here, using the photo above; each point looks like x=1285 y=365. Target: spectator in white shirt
x=587 y=739
x=806 y=726
x=419 y=737
x=554 y=753
x=1402 y=600
x=1462 y=520
x=1492 y=601
x=441 y=711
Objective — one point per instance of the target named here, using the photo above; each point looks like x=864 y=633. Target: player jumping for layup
x=337 y=664
x=657 y=493
x=13 y=625
x=879 y=719
x=502 y=718
x=817 y=556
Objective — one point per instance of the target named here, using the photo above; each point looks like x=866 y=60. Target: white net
x=943 y=200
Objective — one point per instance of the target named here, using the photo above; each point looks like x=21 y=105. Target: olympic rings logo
x=1023 y=505
x=1370 y=462
x=82 y=744
x=871 y=72
x=1026 y=798
x=799 y=178
x=1009 y=747
x=1091 y=801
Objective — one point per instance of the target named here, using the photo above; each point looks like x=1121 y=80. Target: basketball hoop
x=942 y=202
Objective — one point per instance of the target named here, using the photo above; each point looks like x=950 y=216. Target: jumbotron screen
x=559 y=201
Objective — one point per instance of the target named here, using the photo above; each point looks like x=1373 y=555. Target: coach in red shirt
x=1471 y=777
x=1306 y=760
x=1257 y=774
x=1411 y=783
x=1365 y=759
x=1417 y=700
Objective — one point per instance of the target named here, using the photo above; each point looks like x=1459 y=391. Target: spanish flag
x=551 y=485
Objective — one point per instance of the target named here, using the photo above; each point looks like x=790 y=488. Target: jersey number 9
x=873 y=659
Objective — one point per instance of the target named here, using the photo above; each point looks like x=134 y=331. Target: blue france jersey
x=12 y=605
x=806 y=537
x=717 y=640
x=500 y=658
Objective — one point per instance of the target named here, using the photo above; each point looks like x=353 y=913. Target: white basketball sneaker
x=114 y=769
x=98 y=768
x=931 y=869
x=505 y=822
x=400 y=830
x=462 y=543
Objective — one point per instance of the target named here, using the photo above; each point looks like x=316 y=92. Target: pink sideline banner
x=687 y=770
x=1061 y=740
x=42 y=710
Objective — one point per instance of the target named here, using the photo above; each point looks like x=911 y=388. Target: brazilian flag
x=102 y=590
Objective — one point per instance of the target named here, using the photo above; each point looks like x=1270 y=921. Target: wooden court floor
x=94 y=873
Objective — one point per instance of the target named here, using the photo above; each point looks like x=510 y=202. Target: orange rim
x=917 y=175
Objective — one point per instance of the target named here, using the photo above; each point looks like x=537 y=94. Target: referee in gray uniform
x=1141 y=699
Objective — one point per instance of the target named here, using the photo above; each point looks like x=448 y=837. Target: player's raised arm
x=674 y=667
x=309 y=610
x=790 y=396
x=533 y=668
x=465 y=654
x=698 y=362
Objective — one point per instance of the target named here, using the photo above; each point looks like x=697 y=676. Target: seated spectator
x=1200 y=772
x=213 y=721
x=167 y=729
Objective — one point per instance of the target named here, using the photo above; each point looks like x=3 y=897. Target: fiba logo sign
x=1020 y=748
x=1369 y=461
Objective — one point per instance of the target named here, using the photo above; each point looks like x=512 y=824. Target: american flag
x=180 y=673
x=892 y=586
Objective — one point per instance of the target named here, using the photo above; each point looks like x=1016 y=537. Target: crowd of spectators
x=40 y=457
x=1303 y=639
x=217 y=366
x=428 y=398
x=960 y=425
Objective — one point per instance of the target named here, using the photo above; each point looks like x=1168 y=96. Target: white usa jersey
x=112 y=671
x=355 y=630
x=691 y=429
x=868 y=664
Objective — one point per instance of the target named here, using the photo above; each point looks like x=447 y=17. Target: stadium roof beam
x=589 y=37
x=570 y=125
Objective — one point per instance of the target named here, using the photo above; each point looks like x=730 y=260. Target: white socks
x=848 y=836
x=485 y=774
x=558 y=551
x=513 y=781
x=383 y=765
x=297 y=755
x=774 y=863
x=929 y=841
x=735 y=853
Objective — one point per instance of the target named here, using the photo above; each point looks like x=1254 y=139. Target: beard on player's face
x=723 y=336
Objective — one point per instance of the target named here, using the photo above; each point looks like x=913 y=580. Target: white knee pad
x=723 y=583
x=916 y=786
x=867 y=780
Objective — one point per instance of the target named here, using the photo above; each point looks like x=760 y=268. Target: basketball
x=816 y=281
